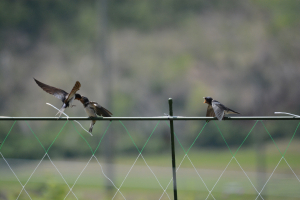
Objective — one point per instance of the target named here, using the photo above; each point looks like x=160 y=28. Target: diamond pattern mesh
x=241 y=183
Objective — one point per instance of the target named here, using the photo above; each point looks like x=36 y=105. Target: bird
x=216 y=109
x=66 y=98
x=93 y=109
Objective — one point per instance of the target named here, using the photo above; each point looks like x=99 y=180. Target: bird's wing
x=73 y=91
x=58 y=93
x=219 y=109
x=101 y=111
x=210 y=111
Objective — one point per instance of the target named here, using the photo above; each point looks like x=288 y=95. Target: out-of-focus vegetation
x=46 y=183
x=242 y=53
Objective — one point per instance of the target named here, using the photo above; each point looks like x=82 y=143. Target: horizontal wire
x=6 y=118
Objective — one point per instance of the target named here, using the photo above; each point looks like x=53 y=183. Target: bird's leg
x=60 y=111
x=92 y=125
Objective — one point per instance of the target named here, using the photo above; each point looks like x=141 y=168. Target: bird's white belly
x=90 y=112
x=71 y=100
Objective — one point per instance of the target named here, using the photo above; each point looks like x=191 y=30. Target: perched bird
x=216 y=109
x=93 y=109
x=65 y=97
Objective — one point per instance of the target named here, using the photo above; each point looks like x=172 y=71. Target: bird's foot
x=60 y=112
x=59 y=115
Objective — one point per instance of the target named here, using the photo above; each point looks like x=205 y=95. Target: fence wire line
x=248 y=178
x=107 y=177
x=154 y=176
x=268 y=178
x=259 y=193
x=291 y=169
x=93 y=152
x=61 y=175
x=233 y=155
x=91 y=157
x=172 y=177
x=46 y=153
x=200 y=177
x=219 y=178
x=31 y=175
x=23 y=187
x=156 y=118
x=286 y=114
x=68 y=118
x=282 y=155
x=78 y=177
x=184 y=152
x=291 y=139
x=140 y=154
x=127 y=175
x=8 y=134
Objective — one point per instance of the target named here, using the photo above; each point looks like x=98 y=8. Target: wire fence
x=195 y=177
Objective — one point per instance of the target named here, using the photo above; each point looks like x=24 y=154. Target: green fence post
x=173 y=149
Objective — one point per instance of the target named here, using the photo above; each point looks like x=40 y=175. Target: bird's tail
x=106 y=113
x=229 y=111
x=91 y=126
x=101 y=111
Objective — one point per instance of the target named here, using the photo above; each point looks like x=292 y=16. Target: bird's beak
x=204 y=100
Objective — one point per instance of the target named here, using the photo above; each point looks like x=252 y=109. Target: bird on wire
x=216 y=109
x=93 y=109
x=66 y=98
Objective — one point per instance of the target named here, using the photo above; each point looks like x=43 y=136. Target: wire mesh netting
x=142 y=168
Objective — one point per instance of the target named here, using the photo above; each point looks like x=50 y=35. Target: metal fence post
x=173 y=149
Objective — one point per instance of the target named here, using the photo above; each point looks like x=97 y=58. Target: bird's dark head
x=77 y=96
x=207 y=100
x=84 y=100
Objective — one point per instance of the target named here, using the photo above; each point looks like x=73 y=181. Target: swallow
x=93 y=109
x=216 y=109
x=66 y=98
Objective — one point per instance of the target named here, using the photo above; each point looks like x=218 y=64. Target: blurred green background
x=131 y=56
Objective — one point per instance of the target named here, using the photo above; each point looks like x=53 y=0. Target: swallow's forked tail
x=232 y=111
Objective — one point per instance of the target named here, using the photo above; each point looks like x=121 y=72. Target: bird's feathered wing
x=58 y=93
x=210 y=111
x=218 y=109
x=73 y=91
x=101 y=111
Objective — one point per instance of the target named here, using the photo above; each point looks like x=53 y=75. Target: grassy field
x=201 y=170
